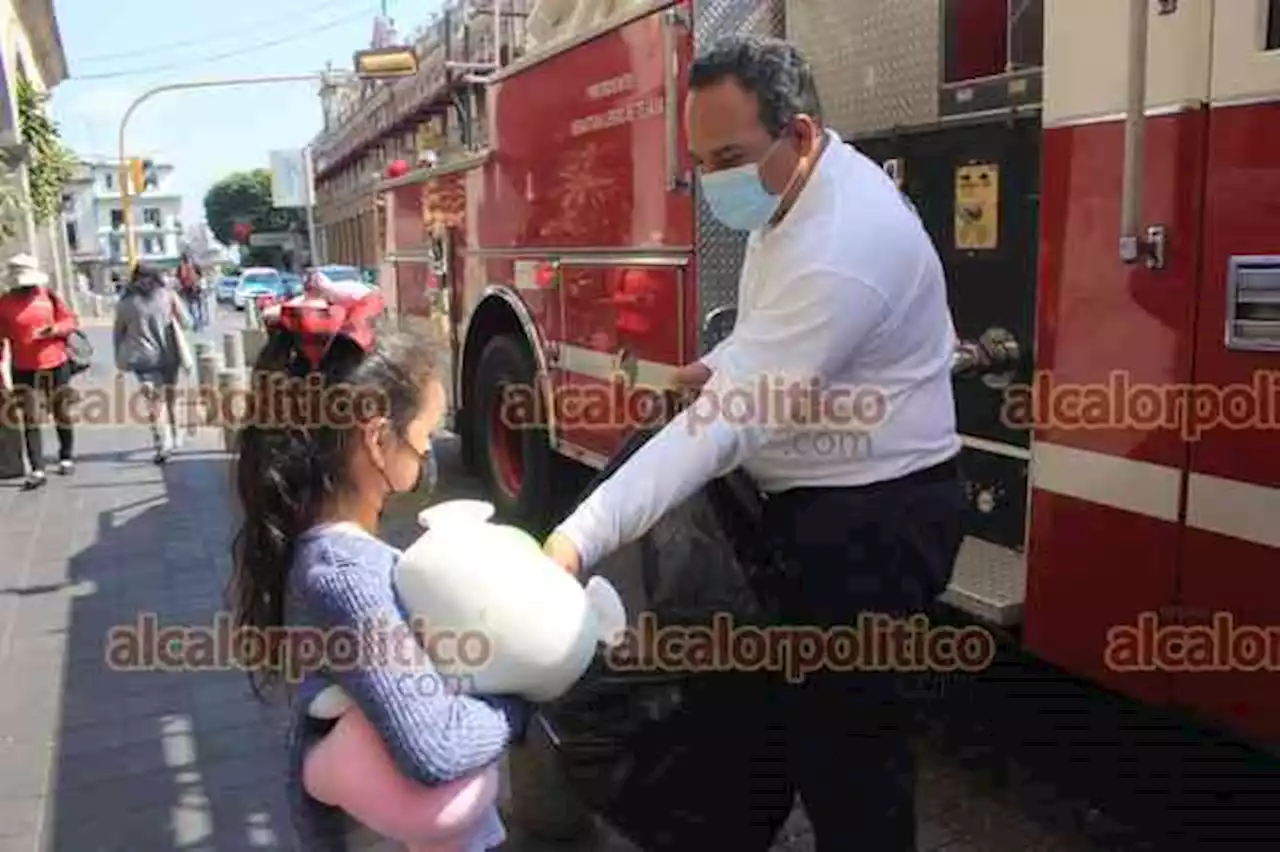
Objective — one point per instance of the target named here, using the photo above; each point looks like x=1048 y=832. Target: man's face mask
x=738 y=196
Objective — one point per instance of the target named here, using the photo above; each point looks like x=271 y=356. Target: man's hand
x=691 y=377
x=563 y=552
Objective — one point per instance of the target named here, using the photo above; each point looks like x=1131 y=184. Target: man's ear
x=809 y=131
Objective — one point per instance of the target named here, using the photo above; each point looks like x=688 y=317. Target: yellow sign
x=978 y=207
x=430 y=135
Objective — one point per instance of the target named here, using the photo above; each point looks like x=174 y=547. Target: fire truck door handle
x=673 y=23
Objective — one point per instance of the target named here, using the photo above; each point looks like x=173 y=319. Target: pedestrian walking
x=191 y=286
x=412 y=762
x=36 y=323
x=841 y=290
x=150 y=342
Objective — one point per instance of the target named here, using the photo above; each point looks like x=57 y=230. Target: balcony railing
x=462 y=37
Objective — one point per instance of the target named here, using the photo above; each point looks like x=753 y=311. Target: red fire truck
x=1102 y=179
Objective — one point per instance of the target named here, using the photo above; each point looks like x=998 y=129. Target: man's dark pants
x=887 y=549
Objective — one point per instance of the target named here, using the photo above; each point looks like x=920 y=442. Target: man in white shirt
x=841 y=289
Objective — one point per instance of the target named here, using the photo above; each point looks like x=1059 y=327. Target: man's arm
x=716 y=359
x=803 y=331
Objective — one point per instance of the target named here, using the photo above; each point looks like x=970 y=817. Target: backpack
x=79 y=352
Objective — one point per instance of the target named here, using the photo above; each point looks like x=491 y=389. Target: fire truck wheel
x=512 y=449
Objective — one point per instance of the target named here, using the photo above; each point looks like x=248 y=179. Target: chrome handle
x=717 y=325
x=673 y=21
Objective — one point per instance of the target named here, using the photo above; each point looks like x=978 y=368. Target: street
x=94 y=759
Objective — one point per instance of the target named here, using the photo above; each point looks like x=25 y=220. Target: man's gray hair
x=771 y=69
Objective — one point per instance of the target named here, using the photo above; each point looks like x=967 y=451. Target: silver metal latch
x=1253 y=303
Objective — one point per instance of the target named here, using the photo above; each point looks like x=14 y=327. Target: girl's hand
x=563 y=552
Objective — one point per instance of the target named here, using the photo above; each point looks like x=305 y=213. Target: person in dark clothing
x=191 y=286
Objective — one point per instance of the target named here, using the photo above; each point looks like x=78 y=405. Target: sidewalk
x=96 y=760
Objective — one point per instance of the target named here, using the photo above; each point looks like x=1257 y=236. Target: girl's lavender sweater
x=342 y=579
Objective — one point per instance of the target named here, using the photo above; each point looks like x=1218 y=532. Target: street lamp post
x=125 y=199
x=313 y=247
x=381 y=64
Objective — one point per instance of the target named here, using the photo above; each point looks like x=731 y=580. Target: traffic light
x=141 y=174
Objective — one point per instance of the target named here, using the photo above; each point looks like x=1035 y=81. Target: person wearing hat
x=36 y=323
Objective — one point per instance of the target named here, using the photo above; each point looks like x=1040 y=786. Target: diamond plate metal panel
x=876 y=61
x=720 y=249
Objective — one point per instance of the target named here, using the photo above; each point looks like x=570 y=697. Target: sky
x=205 y=134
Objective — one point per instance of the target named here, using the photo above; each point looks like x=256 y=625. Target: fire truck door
x=1229 y=582
x=622 y=336
x=976 y=190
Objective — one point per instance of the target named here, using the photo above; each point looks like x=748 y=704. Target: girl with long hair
x=148 y=337
x=410 y=762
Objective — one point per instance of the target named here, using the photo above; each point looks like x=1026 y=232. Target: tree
x=244 y=198
x=238 y=197
x=51 y=162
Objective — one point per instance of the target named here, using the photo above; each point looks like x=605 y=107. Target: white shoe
x=66 y=467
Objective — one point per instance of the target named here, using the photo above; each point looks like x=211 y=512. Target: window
x=117 y=220
x=983 y=38
x=1273 y=25
x=151 y=216
x=340 y=274
x=108 y=180
x=73 y=237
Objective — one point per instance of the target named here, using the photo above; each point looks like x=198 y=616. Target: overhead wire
x=217 y=57
x=278 y=16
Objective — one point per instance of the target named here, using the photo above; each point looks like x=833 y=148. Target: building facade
x=370 y=124
x=31 y=50
x=93 y=219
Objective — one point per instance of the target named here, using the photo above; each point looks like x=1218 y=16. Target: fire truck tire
x=514 y=458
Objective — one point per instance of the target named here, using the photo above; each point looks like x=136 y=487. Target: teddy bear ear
x=611 y=613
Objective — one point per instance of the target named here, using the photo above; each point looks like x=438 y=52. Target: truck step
x=990 y=583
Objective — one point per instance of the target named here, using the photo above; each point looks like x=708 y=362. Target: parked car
x=225 y=290
x=292 y=285
x=255 y=282
x=343 y=280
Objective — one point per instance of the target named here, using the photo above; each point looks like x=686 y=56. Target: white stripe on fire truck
x=605 y=365
x=1233 y=508
x=1134 y=486
x=1228 y=507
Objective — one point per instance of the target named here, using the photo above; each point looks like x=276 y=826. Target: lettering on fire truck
x=624 y=113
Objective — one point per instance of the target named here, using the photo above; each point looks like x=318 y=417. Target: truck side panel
x=1107 y=476
x=1232 y=537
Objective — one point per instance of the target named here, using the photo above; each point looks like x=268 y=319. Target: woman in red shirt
x=36 y=323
